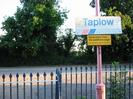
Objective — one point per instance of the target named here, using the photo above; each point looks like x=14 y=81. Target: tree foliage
x=66 y=42
x=116 y=82
x=124 y=6
x=31 y=35
x=122 y=45
x=33 y=27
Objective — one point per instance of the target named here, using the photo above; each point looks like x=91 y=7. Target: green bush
x=116 y=88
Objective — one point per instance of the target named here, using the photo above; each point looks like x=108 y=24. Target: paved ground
x=48 y=69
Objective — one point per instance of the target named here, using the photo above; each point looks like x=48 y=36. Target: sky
x=77 y=8
x=7 y=8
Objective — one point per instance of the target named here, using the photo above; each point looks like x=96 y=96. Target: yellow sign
x=99 y=40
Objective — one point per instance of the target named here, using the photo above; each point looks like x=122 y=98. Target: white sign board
x=98 y=25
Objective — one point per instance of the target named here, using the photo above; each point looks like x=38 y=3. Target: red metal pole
x=99 y=65
x=100 y=87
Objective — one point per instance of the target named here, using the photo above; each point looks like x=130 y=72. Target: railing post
x=17 y=77
x=51 y=84
x=3 y=77
x=38 y=85
x=31 y=75
x=10 y=77
x=24 y=76
x=44 y=85
x=66 y=83
x=58 y=84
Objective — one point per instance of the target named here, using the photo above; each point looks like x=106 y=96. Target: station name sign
x=98 y=25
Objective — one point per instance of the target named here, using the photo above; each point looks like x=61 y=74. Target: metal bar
x=57 y=86
x=10 y=76
x=121 y=78
x=96 y=74
x=76 y=81
x=110 y=83
x=106 y=80
x=71 y=84
x=24 y=75
x=51 y=85
x=100 y=87
x=129 y=81
x=99 y=66
x=115 y=79
x=81 y=83
x=66 y=82
x=86 y=89
x=60 y=82
x=125 y=82
x=31 y=85
x=44 y=85
x=91 y=83
x=17 y=76
x=3 y=77
x=38 y=85
x=121 y=82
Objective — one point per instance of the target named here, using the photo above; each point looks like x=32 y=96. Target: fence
x=32 y=86
x=68 y=83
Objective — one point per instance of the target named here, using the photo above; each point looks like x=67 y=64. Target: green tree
x=66 y=42
x=33 y=27
x=124 y=6
x=122 y=45
x=116 y=88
